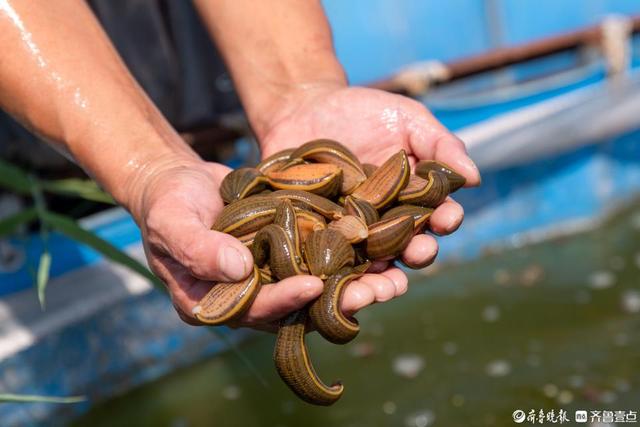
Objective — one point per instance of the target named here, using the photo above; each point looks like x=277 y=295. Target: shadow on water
x=550 y=326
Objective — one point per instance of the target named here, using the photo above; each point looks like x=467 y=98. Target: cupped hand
x=374 y=125
x=176 y=204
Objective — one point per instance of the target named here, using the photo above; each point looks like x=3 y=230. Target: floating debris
x=564 y=397
x=420 y=419
x=501 y=277
x=602 y=280
x=491 y=313
x=362 y=349
x=450 y=348
x=531 y=275
x=631 y=301
x=231 y=392
x=550 y=390
x=389 y=407
x=408 y=365
x=498 y=368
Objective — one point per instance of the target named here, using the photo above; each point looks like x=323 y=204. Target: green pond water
x=548 y=326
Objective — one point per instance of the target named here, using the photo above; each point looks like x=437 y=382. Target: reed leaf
x=14 y=179
x=11 y=223
x=82 y=188
x=69 y=228
x=30 y=398
x=42 y=276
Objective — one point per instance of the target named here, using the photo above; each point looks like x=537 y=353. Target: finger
x=190 y=320
x=276 y=301
x=378 y=266
x=357 y=295
x=207 y=254
x=447 y=217
x=399 y=279
x=185 y=290
x=428 y=139
x=382 y=286
x=420 y=252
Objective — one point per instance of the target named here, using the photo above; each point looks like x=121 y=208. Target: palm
x=372 y=123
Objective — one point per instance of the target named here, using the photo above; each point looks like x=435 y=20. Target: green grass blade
x=29 y=398
x=82 y=188
x=42 y=276
x=9 y=224
x=68 y=227
x=13 y=178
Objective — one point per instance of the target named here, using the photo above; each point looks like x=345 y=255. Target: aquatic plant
x=16 y=180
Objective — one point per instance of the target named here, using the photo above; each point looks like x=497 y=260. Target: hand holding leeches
x=95 y=111
x=188 y=256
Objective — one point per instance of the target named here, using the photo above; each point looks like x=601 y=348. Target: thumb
x=429 y=140
x=207 y=254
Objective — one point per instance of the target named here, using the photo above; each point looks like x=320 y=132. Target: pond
x=552 y=326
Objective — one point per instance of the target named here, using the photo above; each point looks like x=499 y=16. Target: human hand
x=175 y=203
x=374 y=125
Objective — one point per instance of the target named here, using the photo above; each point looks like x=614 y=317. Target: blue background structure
x=373 y=38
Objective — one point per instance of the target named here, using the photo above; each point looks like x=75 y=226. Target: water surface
x=549 y=326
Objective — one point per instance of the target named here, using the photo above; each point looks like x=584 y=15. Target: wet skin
x=65 y=81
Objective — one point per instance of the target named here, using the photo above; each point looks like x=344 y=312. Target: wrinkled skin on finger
x=177 y=206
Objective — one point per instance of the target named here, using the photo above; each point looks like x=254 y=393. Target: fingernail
x=233 y=263
x=309 y=293
x=468 y=163
x=311 y=290
x=452 y=225
x=196 y=310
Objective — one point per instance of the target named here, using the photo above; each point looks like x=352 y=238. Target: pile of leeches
x=317 y=210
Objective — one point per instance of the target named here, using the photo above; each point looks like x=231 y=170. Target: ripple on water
x=498 y=368
x=631 y=301
x=601 y=280
x=408 y=365
x=420 y=419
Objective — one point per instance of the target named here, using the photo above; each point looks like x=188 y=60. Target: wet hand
x=374 y=125
x=176 y=202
